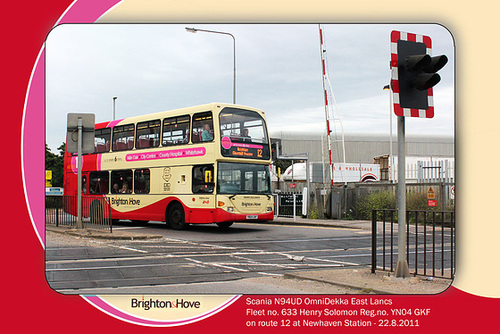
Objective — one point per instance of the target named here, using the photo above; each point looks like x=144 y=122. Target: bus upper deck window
x=203 y=127
x=175 y=130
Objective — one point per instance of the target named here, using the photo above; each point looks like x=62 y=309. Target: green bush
x=375 y=201
x=417 y=201
x=386 y=200
x=313 y=214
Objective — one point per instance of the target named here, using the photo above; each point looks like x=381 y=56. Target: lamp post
x=114 y=106
x=402 y=264
x=391 y=163
x=194 y=30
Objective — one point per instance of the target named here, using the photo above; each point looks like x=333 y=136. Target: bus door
x=203 y=201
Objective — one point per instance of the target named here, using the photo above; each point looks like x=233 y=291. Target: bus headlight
x=230 y=209
x=269 y=209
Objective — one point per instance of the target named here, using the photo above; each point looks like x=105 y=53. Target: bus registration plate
x=252 y=216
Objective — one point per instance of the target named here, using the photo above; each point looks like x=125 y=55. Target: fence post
x=429 y=247
x=442 y=195
x=276 y=205
x=57 y=211
x=452 y=231
x=109 y=215
x=294 y=207
x=374 y=240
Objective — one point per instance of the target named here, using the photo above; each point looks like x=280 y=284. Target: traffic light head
x=413 y=74
x=416 y=76
x=275 y=148
x=416 y=73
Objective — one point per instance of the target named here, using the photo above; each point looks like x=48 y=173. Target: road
x=246 y=258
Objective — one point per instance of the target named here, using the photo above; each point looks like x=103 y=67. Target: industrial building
x=429 y=160
x=368 y=149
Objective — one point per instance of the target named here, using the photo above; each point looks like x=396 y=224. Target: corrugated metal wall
x=362 y=148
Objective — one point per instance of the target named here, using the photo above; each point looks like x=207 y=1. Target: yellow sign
x=431 y=194
x=48 y=178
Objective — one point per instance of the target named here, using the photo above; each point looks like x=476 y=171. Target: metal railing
x=62 y=211
x=288 y=205
x=430 y=242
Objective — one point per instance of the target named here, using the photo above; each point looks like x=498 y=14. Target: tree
x=55 y=163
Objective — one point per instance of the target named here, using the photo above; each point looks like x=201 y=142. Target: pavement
x=359 y=279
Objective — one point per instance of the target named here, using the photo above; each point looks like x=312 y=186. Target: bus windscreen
x=241 y=178
x=243 y=134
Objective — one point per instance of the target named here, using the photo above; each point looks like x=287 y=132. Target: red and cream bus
x=197 y=165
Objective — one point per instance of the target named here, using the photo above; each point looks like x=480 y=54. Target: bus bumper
x=221 y=216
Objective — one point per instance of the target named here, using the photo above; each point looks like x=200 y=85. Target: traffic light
x=275 y=148
x=417 y=73
x=414 y=73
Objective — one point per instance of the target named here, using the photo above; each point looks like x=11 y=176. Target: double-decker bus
x=197 y=165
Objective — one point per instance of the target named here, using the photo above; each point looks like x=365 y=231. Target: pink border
x=33 y=155
x=33 y=135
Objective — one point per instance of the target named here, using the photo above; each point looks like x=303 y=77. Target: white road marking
x=217 y=265
x=269 y=274
x=115 y=267
x=133 y=249
x=197 y=258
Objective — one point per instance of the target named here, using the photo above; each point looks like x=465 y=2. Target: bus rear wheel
x=176 y=217
x=224 y=225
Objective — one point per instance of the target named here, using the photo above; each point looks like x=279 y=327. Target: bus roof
x=173 y=112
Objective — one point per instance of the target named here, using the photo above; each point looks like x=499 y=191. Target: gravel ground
x=380 y=283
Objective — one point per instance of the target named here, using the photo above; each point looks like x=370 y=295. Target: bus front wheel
x=176 y=217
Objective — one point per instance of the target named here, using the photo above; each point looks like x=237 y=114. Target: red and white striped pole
x=327 y=114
